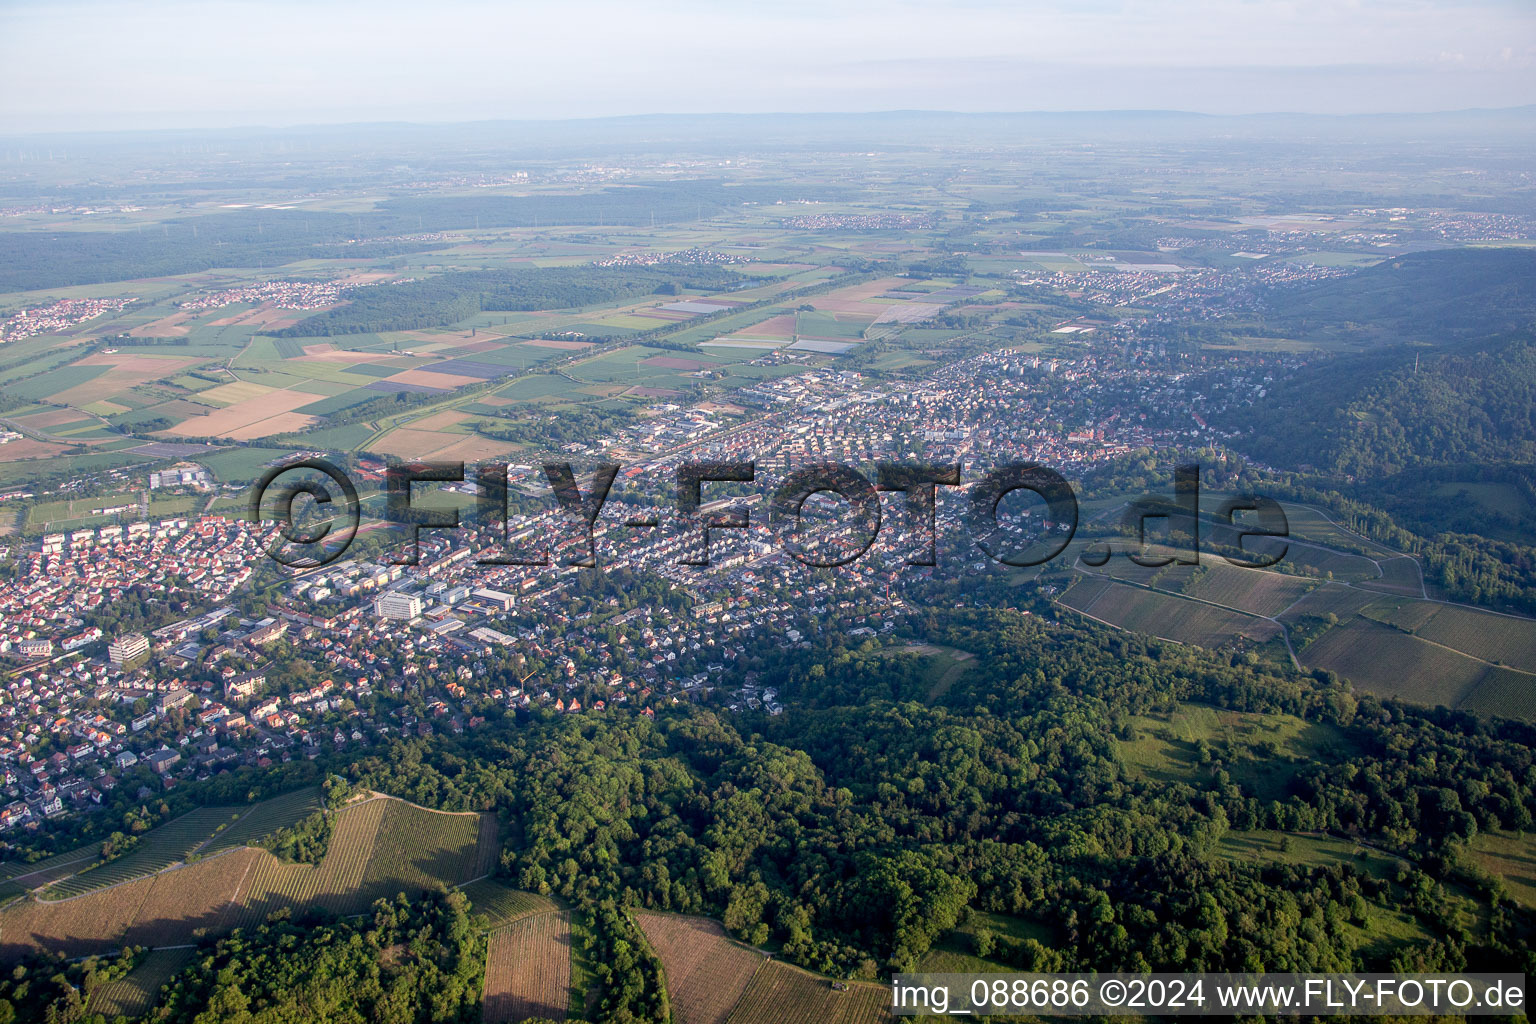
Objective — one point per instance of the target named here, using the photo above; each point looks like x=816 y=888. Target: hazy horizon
x=83 y=65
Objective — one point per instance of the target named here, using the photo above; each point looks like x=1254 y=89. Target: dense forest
x=1438 y=297
x=1371 y=417
x=407 y=961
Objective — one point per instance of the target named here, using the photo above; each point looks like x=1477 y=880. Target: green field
x=1511 y=858
x=1262 y=753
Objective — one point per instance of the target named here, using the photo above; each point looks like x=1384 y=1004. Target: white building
x=397 y=606
x=126 y=648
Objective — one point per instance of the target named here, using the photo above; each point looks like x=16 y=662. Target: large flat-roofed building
x=501 y=600
x=126 y=648
x=397 y=606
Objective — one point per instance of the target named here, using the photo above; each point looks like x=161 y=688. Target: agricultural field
x=417 y=848
x=380 y=846
x=192 y=902
x=1398 y=576
x=1501 y=639
x=157 y=850
x=1168 y=615
x=334 y=884
x=264 y=818
x=1503 y=692
x=780 y=993
x=1246 y=590
x=504 y=905
x=20 y=876
x=1364 y=618
x=707 y=971
x=1387 y=662
x=172 y=908
x=135 y=994
x=528 y=969
x=1309 y=524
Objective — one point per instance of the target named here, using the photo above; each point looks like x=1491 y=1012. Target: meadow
x=1261 y=753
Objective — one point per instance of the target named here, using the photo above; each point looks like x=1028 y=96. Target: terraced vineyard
x=157 y=850
x=170 y=908
x=17 y=877
x=190 y=903
x=417 y=848
x=1365 y=618
x=334 y=884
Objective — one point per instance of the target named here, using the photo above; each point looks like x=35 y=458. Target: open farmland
x=1503 y=692
x=1398 y=576
x=417 y=848
x=1502 y=639
x=23 y=875
x=1247 y=590
x=335 y=884
x=179 y=907
x=707 y=971
x=268 y=412
x=91 y=924
x=528 y=969
x=1364 y=618
x=380 y=846
x=780 y=993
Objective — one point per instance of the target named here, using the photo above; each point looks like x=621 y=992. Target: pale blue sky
x=87 y=64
